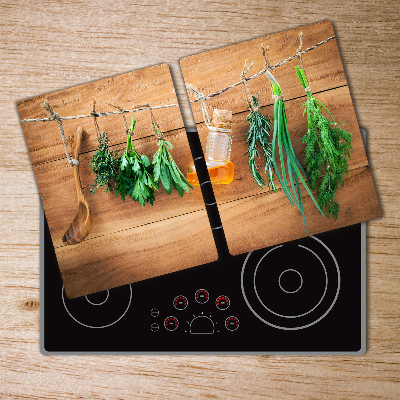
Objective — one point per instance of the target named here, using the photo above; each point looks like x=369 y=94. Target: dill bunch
x=258 y=135
x=105 y=165
x=292 y=173
x=328 y=147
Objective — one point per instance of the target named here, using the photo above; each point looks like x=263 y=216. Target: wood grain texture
x=45 y=47
x=326 y=77
x=90 y=267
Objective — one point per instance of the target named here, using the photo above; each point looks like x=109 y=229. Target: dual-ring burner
x=99 y=310
x=291 y=286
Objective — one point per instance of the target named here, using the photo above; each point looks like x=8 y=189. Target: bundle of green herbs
x=105 y=165
x=258 y=135
x=291 y=168
x=328 y=147
x=135 y=178
x=165 y=168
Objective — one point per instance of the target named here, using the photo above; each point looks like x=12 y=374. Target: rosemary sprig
x=290 y=165
x=258 y=134
x=135 y=175
x=165 y=168
x=105 y=165
x=328 y=147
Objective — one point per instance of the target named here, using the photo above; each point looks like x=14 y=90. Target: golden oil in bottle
x=218 y=150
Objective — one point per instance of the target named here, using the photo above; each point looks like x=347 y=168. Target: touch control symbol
x=180 y=302
x=155 y=327
x=202 y=296
x=231 y=323
x=154 y=312
x=222 y=302
x=171 y=323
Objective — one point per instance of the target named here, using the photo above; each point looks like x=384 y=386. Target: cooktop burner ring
x=303 y=320
x=285 y=272
x=78 y=304
x=98 y=304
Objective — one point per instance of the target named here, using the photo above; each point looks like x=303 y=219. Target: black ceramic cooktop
x=300 y=297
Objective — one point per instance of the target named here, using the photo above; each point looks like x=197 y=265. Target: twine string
x=202 y=98
x=217 y=93
x=127 y=131
x=300 y=55
x=154 y=124
x=96 y=125
x=248 y=94
x=264 y=52
x=55 y=117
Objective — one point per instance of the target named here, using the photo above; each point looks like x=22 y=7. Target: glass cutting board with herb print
x=126 y=242
x=252 y=216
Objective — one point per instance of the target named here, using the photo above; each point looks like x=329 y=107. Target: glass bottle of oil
x=218 y=150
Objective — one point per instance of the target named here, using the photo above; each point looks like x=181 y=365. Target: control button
x=202 y=296
x=180 y=302
x=201 y=325
x=154 y=312
x=222 y=302
x=231 y=323
x=171 y=323
x=154 y=327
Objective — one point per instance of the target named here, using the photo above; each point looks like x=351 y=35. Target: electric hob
x=301 y=297
x=305 y=296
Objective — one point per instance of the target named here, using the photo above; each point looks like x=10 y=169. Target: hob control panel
x=197 y=313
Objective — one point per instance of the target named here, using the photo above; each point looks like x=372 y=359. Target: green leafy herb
x=135 y=175
x=290 y=165
x=258 y=135
x=328 y=146
x=165 y=168
x=105 y=165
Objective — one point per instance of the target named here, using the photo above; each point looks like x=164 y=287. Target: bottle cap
x=222 y=119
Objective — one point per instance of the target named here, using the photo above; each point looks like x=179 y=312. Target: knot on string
x=122 y=111
x=264 y=52
x=300 y=55
x=157 y=131
x=202 y=98
x=248 y=94
x=53 y=115
x=100 y=137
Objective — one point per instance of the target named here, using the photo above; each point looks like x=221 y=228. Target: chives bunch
x=292 y=171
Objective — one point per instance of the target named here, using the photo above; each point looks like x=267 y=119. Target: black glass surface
x=265 y=311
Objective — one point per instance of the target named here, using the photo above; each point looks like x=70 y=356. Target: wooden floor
x=50 y=45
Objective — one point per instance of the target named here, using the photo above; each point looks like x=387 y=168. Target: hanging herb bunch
x=105 y=163
x=165 y=168
x=257 y=136
x=292 y=173
x=135 y=174
x=328 y=147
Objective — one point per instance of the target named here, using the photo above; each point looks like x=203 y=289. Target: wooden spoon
x=80 y=226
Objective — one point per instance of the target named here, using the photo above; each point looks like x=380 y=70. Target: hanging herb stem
x=289 y=164
x=258 y=134
x=105 y=165
x=328 y=147
x=135 y=175
x=165 y=168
